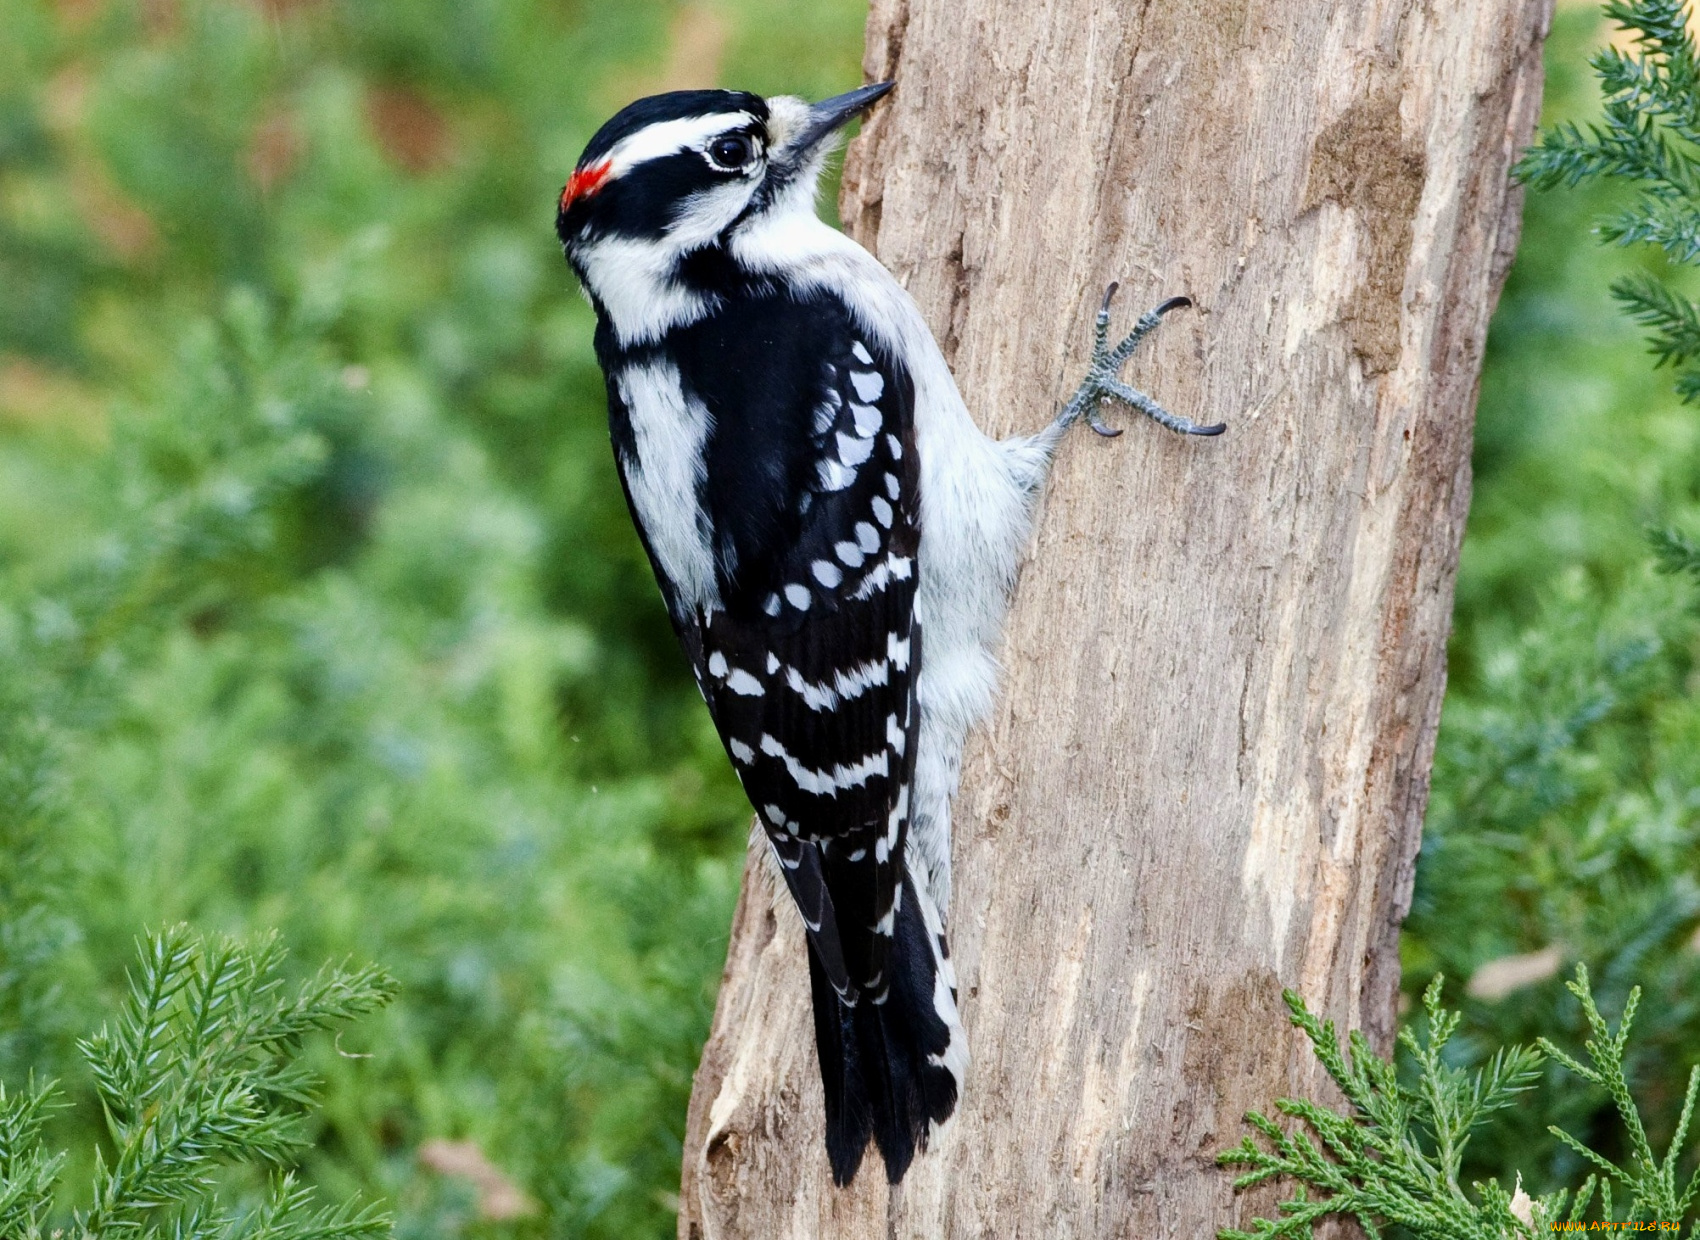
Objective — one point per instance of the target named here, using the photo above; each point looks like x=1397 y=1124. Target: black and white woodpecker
x=836 y=542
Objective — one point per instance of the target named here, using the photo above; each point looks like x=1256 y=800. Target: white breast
x=665 y=477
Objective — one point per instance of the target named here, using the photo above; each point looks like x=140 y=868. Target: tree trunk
x=1206 y=775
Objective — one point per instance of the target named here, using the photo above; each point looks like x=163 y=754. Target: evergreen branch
x=1673 y=319
x=1374 y=1164
x=1674 y=552
x=1651 y=1181
x=1649 y=136
x=289 y=1214
x=124 y=1058
x=27 y=1171
x=195 y=1074
x=1672 y=224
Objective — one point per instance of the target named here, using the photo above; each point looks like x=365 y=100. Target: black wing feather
x=808 y=664
x=809 y=667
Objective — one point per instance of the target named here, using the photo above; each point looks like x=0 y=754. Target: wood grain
x=1206 y=776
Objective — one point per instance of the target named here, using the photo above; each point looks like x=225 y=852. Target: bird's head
x=681 y=172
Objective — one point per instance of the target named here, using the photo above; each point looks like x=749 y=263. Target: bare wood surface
x=1206 y=775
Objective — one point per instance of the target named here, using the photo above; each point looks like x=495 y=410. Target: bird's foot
x=1101 y=382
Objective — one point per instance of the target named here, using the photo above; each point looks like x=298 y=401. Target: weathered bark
x=1206 y=776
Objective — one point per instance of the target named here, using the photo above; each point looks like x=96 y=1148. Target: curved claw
x=1208 y=430
x=1109 y=296
x=1108 y=432
x=1174 y=303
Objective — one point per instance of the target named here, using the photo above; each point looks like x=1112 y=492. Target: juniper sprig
x=1648 y=136
x=1393 y=1157
x=198 y=1072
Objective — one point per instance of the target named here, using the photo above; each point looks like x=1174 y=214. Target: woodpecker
x=834 y=538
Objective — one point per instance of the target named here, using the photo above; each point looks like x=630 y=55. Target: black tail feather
x=886 y=1067
x=848 y=1121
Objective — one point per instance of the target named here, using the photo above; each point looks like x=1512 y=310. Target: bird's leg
x=1101 y=382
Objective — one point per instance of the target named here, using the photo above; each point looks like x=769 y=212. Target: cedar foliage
x=198 y=1072
x=1395 y=1159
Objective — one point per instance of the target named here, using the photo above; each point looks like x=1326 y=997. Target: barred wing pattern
x=814 y=693
x=791 y=570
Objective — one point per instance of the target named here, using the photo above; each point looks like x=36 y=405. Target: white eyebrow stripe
x=670 y=137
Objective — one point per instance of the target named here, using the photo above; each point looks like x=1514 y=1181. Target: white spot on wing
x=860 y=352
x=828 y=783
x=867 y=418
x=867 y=537
x=827 y=573
x=875 y=581
x=882 y=511
x=868 y=384
x=741 y=751
x=897 y=652
x=849 y=553
x=853 y=451
x=835 y=476
x=846 y=685
x=717 y=664
x=797 y=596
x=744 y=684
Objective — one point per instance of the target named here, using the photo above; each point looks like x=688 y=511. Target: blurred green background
x=319 y=607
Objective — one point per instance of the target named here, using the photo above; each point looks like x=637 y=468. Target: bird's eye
x=731 y=151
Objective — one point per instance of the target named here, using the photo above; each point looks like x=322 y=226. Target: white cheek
x=705 y=215
x=635 y=281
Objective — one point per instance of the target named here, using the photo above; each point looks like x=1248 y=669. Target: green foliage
x=27 y=1170
x=1651 y=1184
x=1648 y=136
x=198 y=1074
x=1396 y=1157
x=320 y=609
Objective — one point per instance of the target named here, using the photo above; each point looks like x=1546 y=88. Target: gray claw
x=1101 y=382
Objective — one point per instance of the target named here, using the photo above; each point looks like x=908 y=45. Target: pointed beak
x=830 y=115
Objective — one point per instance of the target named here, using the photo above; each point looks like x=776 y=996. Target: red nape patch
x=584 y=183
